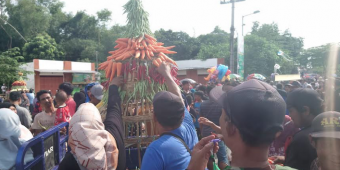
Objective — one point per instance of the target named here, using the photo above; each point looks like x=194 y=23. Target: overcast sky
x=317 y=21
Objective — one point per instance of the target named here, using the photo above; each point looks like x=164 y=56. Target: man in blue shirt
x=175 y=125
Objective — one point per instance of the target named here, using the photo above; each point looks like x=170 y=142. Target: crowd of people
x=240 y=125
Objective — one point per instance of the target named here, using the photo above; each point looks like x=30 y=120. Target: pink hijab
x=92 y=145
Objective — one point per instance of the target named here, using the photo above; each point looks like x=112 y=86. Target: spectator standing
x=197 y=106
x=30 y=97
x=25 y=103
x=173 y=121
x=304 y=105
x=68 y=88
x=252 y=117
x=96 y=94
x=88 y=91
x=325 y=137
x=79 y=98
x=186 y=88
x=45 y=119
x=12 y=135
x=23 y=113
x=3 y=88
x=212 y=111
x=87 y=131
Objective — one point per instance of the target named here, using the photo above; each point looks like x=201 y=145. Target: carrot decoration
x=119 y=69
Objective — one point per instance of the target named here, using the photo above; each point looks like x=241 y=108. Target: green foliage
x=10 y=62
x=104 y=15
x=214 y=45
x=137 y=19
x=79 y=49
x=42 y=47
x=315 y=59
x=28 y=17
x=186 y=46
x=261 y=56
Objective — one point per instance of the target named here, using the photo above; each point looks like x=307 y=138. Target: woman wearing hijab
x=12 y=136
x=79 y=98
x=92 y=147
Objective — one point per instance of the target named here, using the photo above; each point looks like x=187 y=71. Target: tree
x=42 y=47
x=186 y=46
x=214 y=45
x=10 y=62
x=315 y=59
x=80 y=49
x=261 y=56
x=285 y=41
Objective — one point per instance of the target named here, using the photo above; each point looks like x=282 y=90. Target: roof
x=63 y=71
x=196 y=64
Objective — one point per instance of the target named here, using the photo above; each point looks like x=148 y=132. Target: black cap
x=301 y=97
x=168 y=109
x=296 y=84
x=326 y=125
x=257 y=109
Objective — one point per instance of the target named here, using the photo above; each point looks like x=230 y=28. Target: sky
x=318 y=22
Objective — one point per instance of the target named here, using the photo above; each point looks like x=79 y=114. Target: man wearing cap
x=295 y=85
x=96 y=94
x=325 y=137
x=303 y=105
x=172 y=150
x=252 y=117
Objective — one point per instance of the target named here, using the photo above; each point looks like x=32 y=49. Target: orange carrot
x=141 y=47
x=170 y=47
x=113 y=71
x=119 y=69
x=155 y=63
x=150 y=37
x=169 y=52
x=150 y=41
x=129 y=54
x=107 y=70
x=147 y=54
x=142 y=55
x=159 y=43
x=117 y=46
x=137 y=54
x=123 y=39
x=151 y=53
x=152 y=49
x=129 y=44
x=112 y=52
x=144 y=44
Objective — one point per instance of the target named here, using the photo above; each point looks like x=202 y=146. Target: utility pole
x=232 y=29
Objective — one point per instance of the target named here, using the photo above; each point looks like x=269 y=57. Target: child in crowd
x=197 y=106
x=63 y=111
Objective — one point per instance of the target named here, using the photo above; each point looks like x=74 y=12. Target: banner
x=80 y=78
x=240 y=55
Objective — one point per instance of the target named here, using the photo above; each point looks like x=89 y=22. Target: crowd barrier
x=47 y=153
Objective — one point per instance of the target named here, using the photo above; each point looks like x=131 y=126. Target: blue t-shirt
x=167 y=152
x=30 y=97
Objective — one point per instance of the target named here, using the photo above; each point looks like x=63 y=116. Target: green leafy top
x=137 y=19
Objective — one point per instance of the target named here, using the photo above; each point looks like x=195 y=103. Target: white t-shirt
x=43 y=119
